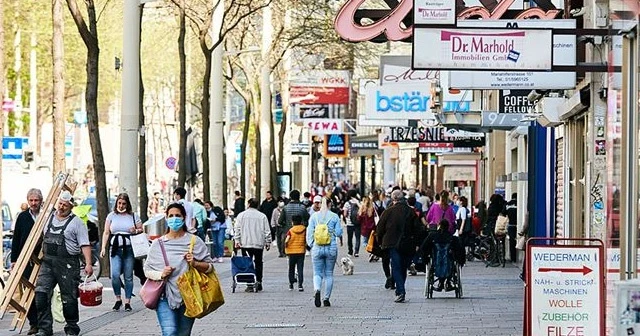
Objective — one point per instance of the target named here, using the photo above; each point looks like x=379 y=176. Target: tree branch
x=87 y=37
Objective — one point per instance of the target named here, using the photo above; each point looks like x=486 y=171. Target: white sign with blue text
x=411 y=102
x=566 y=289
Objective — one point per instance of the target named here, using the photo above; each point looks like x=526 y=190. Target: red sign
x=8 y=105
x=391 y=25
x=319 y=95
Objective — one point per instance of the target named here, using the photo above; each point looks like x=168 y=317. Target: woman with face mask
x=275 y=216
x=120 y=224
x=170 y=310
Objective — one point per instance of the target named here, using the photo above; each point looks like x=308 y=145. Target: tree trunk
x=205 y=103
x=258 y=152
x=58 y=88
x=283 y=130
x=142 y=149
x=273 y=177
x=225 y=180
x=2 y=84
x=243 y=153
x=182 y=109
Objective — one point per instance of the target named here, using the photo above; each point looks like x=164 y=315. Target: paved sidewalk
x=492 y=305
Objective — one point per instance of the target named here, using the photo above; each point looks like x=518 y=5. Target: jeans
x=256 y=255
x=281 y=235
x=172 y=321
x=122 y=263
x=217 y=246
x=64 y=273
x=324 y=260
x=386 y=265
x=296 y=261
x=353 y=231
x=365 y=241
x=399 y=265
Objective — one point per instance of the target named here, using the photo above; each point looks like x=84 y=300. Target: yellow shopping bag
x=200 y=292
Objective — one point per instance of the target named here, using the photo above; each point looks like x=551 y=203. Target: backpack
x=442 y=265
x=353 y=213
x=321 y=234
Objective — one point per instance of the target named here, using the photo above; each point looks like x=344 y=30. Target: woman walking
x=120 y=224
x=463 y=221
x=441 y=210
x=176 y=242
x=366 y=218
x=323 y=254
x=218 y=228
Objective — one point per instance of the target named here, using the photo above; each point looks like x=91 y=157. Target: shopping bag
x=56 y=305
x=201 y=292
x=140 y=245
x=372 y=245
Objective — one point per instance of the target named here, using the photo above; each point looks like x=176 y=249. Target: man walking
x=268 y=205
x=21 y=232
x=65 y=239
x=253 y=235
x=238 y=204
x=285 y=222
x=512 y=229
x=350 y=213
x=179 y=196
x=317 y=204
x=399 y=231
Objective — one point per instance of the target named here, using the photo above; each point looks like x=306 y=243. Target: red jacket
x=367 y=224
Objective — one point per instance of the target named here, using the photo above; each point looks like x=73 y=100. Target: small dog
x=347 y=266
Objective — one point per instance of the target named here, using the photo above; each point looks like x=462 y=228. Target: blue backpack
x=442 y=265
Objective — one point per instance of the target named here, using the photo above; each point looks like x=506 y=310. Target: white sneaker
x=220 y=260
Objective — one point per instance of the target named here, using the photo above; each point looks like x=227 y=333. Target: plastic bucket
x=90 y=292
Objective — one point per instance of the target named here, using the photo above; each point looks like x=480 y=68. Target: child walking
x=295 y=248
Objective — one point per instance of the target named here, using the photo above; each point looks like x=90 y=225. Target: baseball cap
x=317 y=199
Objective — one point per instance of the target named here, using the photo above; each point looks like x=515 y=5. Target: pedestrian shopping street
x=360 y=305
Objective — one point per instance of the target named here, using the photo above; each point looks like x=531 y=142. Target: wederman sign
x=483 y=49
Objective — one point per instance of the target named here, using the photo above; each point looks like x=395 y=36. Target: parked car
x=7 y=217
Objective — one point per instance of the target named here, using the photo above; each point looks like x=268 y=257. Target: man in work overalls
x=65 y=238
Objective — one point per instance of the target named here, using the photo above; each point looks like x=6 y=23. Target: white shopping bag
x=140 y=244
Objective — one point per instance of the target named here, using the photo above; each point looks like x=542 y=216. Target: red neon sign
x=390 y=26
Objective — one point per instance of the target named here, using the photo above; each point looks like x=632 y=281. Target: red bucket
x=90 y=292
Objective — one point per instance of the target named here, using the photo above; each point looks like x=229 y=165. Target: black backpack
x=220 y=217
x=353 y=213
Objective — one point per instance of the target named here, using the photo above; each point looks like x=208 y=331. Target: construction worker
x=66 y=238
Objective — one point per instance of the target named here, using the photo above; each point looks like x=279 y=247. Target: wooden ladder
x=30 y=252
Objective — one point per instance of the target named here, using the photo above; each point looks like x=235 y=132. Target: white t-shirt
x=188 y=208
x=463 y=213
x=121 y=223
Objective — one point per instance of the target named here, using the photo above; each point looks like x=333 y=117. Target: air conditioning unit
x=579 y=102
x=550 y=109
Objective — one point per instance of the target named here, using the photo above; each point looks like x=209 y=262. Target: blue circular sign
x=170 y=163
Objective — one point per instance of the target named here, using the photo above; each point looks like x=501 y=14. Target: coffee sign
x=514 y=101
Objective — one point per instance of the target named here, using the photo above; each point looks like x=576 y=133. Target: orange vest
x=297 y=237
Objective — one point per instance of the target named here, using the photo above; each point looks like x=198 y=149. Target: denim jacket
x=333 y=222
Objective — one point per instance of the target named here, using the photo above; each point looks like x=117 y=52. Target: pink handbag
x=152 y=290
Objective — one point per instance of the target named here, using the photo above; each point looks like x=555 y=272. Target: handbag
x=152 y=290
x=372 y=245
x=201 y=292
x=139 y=243
x=501 y=225
x=521 y=242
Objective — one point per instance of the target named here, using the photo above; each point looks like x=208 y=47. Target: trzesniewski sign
x=434 y=135
x=482 y=49
x=398 y=102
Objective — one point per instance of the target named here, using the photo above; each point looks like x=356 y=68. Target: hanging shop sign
x=313 y=111
x=564 y=54
x=514 y=101
x=392 y=27
x=483 y=49
x=336 y=145
x=434 y=12
x=431 y=134
x=441 y=147
x=319 y=87
x=412 y=102
x=324 y=126
x=504 y=120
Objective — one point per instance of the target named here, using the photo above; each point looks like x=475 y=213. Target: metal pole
x=265 y=105
x=33 y=95
x=129 y=122
x=373 y=172
x=629 y=186
x=363 y=172
x=216 y=132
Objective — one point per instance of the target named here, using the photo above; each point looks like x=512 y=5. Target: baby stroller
x=243 y=271
x=442 y=265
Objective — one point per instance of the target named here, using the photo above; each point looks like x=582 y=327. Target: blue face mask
x=175 y=223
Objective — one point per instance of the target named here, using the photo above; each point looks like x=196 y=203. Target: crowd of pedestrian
x=397 y=227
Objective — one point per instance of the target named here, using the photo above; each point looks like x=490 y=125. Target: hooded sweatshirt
x=295 y=242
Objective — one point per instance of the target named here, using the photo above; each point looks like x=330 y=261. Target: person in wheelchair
x=441 y=247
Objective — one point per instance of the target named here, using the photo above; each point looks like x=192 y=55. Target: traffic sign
x=170 y=163
x=12 y=147
x=565 y=289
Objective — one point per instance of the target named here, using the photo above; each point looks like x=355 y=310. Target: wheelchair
x=454 y=275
